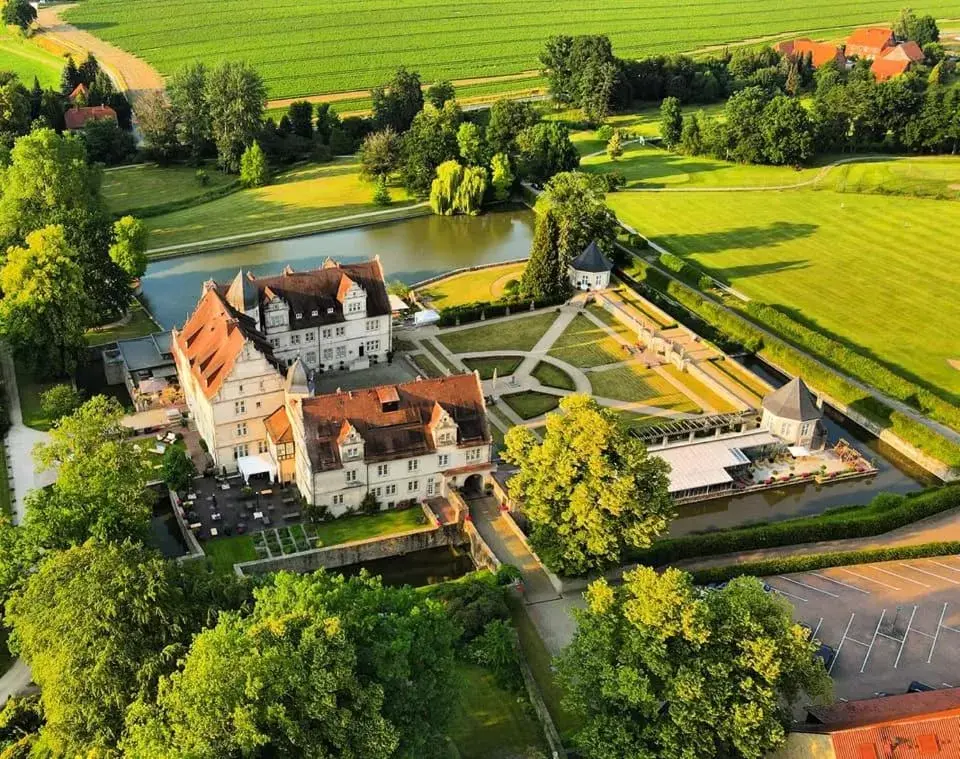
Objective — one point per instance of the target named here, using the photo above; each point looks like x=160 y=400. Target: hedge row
x=809 y=562
x=884 y=513
x=840 y=356
x=736 y=327
x=472 y=312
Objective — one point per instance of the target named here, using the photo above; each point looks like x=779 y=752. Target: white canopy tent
x=250 y=465
x=424 y=318
x=397 y=304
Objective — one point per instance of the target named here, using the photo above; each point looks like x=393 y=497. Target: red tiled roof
x=396 y=429
x=884 y=68
x=77 y=118
x=869 y=41
x=821 y=52
x=933 y=738
x=866 y=712
x=905 y=51
x=212 y=338
x=278 y=426
x=80 y=89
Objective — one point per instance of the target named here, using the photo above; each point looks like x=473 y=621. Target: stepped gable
x=212 y=338
x=793 y=401
x=394 y=421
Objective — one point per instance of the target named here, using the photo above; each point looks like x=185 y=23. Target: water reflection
x=410 y=251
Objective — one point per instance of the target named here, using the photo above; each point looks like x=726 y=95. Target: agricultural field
x=314 y=47
x=870 y=268
x=27 y=61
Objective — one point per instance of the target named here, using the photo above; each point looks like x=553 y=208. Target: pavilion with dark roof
x=791 y=413
x=591 y=269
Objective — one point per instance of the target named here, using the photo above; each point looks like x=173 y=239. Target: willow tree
x=468 y=198
x=443 y=190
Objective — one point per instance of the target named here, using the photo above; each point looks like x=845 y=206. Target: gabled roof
x=871 y=39
x=80 y=89
x=820 y=52
x=278 y=426
x=793 y=401
x=242 y=293
x=592 y=259
x=77 y=118
x=297 y=383
x=212 y=338
x=905 y=51
x=393 y=429
x=892 y=62
x=847 y=715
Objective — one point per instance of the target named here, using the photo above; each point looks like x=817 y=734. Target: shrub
x=381 y=195
x=614 y=180
x=369 y=504
x=496 y=649
x=253 y=167
x=178 y=468
x=60 y=401
x=473 y=604
x=202 y=177
x=604 y=133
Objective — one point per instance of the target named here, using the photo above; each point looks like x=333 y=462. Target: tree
x=582 y=71
x=741 y=138
x=661 y=669
x=671 y=122
x=324 y=666
x=98 y=624
x=787 y=132
x=101 y=488
x=69 y=77
x=921 y=29
x=470 y=142
x=396 y=103
x=555 y=65
x=19 y=13
x=380 y=154
x=15 y=108
x=129 y=248
x=105 y=142
x=431 y=140
x=544 y=150
x=597 y=83
x=158 y=125
x=326 y=120
x=236 y=97
x=542 y=278
x=507 y=119
x=60 y=401
x=89 y=69
x=187 y=89
x=439 y=93
x=381 y=194
x=254 y=171
x=691 y=142
x=45 y=310
x=178 y=468
x=578 y=203
x=590 y=490
x=502 y=176
x=615 y=145
x=473 y=186
x=444 y=188
x=300 y=114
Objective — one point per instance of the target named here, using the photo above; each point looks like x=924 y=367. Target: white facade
x=589 y=280
x=790 y=431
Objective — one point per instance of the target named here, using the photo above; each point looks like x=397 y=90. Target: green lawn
x=481 y=285
x=584 y=344
x=519 y=334
x=427 y=366
x=223 y=553
x=439 y=358
x=551 y=376
x=870 y=269
x=490 y=722
x=347 y=529
x=634 y=382
x=28 y=60
x=132 y=189
x=505 y=366
x=530 y=404
x=309 y=194
x=30 y=391
x=140 y=324
x=924 y=177
x=718 y=404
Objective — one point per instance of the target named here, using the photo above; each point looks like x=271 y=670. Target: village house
x=819 y=52
x=78 y=117
x=398 y=443
x=868 y=42
x=896 y=60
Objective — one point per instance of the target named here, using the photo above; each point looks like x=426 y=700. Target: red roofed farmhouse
x=869 y=42
x=77 y=118
x=820 y=52
x=896 y=60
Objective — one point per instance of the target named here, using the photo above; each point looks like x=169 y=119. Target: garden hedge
x=884 y=513
x=472 y=312
x=789 y=564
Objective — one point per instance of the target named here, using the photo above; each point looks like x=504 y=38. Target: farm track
x=129 y=73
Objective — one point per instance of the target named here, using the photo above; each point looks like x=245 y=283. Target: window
x=239 y=451
x=474 y=454
x=373 y=325
x=239 y=388
x=241 y=429
x=373 y=346
x=413 y=485
x=341 y=331
x=329 y=310
x=377 y=492
x=275 y=342
x=351 y=475
x=239 y=407
x=391 y=490
x=311 y=336
x=295 y=339
x=328 y=354
x=431 y=487
x=354 y=307
x=262 y=446
x=341 y=351
x=311 y=357
x=413 y=465
x=315 y=312
x=443 y=459
x=446 y=438
x=338 y=499
x=353 y=452
x=327 y=333
x=383 y=470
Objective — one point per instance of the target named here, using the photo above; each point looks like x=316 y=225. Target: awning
x=250 y=465
x=397 y=303
x=798 y=451
x=423 y=318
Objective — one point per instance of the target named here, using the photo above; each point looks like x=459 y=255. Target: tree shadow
x=92 y=26
x=732 y=273
x=740 y=238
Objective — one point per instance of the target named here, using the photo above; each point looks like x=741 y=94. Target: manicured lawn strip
x=470 y=287
x=439 y=358
x=505 y=366
x=882 y=514
x=742 y=375
x=627 y=296
x=308 y=194
x=140 y=324
x=223 y=553
x=145 y=189
x=30 y=391
x=584 y=344
x=520 y=334
x=634 y=382
x=921 y=177
x=857 y=264
x=362 y=527
x=637 y=421
x=492 y=722
x=814 y=561
x=427 y=366
x=27 y=60
x=530 y=404
x=552 y=376
x=719 y=404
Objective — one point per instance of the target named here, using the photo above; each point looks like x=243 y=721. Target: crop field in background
x=28 y=61
x=312 y=46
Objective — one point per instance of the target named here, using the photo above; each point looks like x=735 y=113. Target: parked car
x=917 y=687
x=826 y=655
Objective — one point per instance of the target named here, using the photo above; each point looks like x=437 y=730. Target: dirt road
x=130 y=74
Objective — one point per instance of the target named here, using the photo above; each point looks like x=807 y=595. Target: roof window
x=299 y=315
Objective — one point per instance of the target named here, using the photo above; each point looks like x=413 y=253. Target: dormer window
x=299 y=315
x=329 y=310
x=315 y=312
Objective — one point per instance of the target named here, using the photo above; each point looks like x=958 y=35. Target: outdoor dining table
x=216 y=517
x=258 y=515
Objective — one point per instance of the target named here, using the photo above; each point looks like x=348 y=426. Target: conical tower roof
x=793 y=401
x=242 y=294
x=297 y=383
x=592 y=259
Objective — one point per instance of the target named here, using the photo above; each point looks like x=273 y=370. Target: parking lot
x=889 y=623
